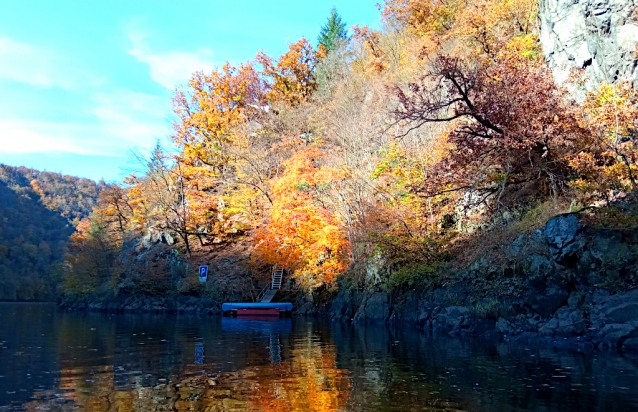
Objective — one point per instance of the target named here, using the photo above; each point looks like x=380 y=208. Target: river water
x=58 y=361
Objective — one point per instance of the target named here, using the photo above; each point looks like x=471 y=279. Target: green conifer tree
x=333 y=31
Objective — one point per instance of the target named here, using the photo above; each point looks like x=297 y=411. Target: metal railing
x=275 y=283
x=262 y=293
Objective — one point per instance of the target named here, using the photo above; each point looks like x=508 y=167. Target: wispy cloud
x=36 y=66
x=169 y=68
x=28 y=136
x=136 y=119
x=119 y=121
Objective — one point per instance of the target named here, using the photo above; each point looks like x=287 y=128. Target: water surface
x=60 y=361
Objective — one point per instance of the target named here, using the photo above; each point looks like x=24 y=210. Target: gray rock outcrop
x=561 y=234
x=597 y=36
x=375 y=309
x=568 y=284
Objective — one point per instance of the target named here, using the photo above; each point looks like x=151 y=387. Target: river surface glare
x=59 y=361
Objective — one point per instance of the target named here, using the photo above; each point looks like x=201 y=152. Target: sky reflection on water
x=51 y=360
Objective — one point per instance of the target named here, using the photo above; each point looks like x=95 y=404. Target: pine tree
x=333 y=31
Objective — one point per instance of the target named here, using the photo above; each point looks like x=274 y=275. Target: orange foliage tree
x=209 y=135
x=488 y=23
x=215 y=104
x=423 y=16
x=291 y=77
x=302 y=234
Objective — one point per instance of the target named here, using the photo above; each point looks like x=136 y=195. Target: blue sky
x=83 y=83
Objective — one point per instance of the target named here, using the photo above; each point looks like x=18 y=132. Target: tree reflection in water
x=93 y=362
x=275 y=373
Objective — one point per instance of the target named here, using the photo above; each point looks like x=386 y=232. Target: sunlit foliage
x=610 y=161
x=302 y=234
x=392 y=145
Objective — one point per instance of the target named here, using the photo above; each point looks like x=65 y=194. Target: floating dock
x=257 y=309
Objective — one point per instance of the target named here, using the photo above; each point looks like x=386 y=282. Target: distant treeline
x=38 y=213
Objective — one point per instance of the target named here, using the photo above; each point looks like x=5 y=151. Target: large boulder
x=619 y=308
x=615 y=334
x=567 y=321
x=452 y=319
x=505 y=327
x=546 y=301
x=561 y=234
x=154 y=237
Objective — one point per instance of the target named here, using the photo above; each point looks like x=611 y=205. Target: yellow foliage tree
x=291 y=77
x=610 y=160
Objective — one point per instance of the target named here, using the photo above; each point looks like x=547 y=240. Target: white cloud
x=37 y=66
x=135 y=119
x=27 y=136
x=170 y=68
x=119 y=121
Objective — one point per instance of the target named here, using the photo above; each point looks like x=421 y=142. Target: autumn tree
x=291 y=77
x=218 y=120
x=488 y=26
x=158 y=199
x=303 y=235
x=610 y=159
x=465 y=28
x=423 y=16
x=207 y=114
x=90 y=262
x=510 y=128
x=114 y=208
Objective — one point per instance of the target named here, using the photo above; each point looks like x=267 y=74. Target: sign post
x=203 y=273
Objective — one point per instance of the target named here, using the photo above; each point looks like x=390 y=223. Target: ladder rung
x=277 y=277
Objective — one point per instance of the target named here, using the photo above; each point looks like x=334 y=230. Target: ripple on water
x=145 y=362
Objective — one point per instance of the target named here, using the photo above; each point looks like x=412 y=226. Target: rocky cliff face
x=599 y=37
x=570 y=285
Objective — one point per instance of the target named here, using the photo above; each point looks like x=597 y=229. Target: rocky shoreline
x=568 y=286
x=596 y=320
x=576 y=290
x=148 y=304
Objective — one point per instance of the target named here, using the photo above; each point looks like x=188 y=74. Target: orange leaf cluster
x=302 y=235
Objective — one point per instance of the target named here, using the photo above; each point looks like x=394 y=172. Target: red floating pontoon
x=257 y=309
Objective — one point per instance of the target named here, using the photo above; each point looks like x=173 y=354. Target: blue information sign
x=203 y=273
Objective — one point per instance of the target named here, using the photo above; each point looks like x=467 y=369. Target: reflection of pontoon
x=246 y=325
x=263 y=307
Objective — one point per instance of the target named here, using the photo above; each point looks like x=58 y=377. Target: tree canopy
x=333 y=31
x=400 y=147
x=38 y=212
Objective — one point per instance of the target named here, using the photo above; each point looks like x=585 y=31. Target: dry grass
x=492 y=244
x=622 y=213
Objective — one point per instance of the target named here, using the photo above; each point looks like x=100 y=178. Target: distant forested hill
x=38 y=211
